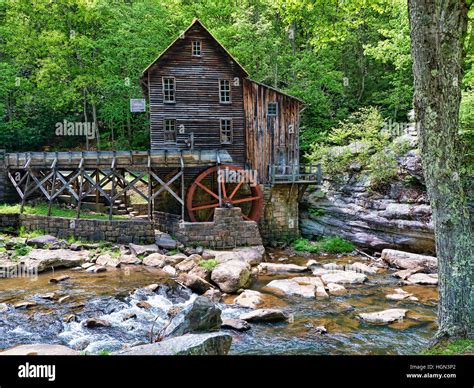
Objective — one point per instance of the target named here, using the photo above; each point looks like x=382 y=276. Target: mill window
x=226 y=131
x=224 y=91
x=196 y=48
x=168 y=90
x=272 y=109
x=170 y=130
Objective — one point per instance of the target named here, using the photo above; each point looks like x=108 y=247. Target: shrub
x=208 y=264
x=317 y=212
x=22 y=249
x=383 y=167
x=336 y=245
x=304 y=245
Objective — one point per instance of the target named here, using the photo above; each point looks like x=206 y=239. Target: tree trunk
x=437 y=29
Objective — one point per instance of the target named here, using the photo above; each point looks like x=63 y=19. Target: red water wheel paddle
x=238 y=189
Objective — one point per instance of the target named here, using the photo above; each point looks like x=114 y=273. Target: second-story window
x=272 y=109
x=224 y=91
x=226 y=131
x=196 y=48
x=169 y=127
x=168 y=90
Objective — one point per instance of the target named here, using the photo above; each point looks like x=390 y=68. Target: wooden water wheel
x=237 y=189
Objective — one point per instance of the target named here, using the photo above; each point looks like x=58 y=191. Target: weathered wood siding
x=197 y=105
x=268 y=138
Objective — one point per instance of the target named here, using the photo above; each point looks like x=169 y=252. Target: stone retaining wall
x=228 y=230
x=118 y=231
x=9 y=222
x=279 y=222
x=8 y=193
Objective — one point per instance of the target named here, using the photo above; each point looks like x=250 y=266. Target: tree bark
x=437 y=29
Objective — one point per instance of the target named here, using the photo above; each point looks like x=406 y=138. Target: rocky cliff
x=397 y=215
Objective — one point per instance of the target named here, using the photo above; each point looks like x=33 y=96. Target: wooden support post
x=53 y=186
x=112 y=194
x=81 y=186
x=25 y=193
x=182 y=187
x=150 y=189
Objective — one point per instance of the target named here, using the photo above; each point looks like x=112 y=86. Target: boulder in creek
x=364 y=268
x=343 y=277
x=48 y=295
x=400 y=294
x=189 y=263
x=406 y=260
x=231 y=275
x=59 y=279
x=129 y=260
x=3 y=308
x=214 y=295
x=152 y=287
x=212 y=344
x=249 y=298
x=108 y=260
x=423 y=278
x=201 y=272
x=235 y=324
x=175 y=259
x=170 y=270
x=94 y=322
x=265 y=315
x=143 y=250
x=165 y=241
x=144 y=304
x=195 y=283
x=405 y=273
x=42 y=241
x=385 y=316
x=96 y=269
x=250 y=255
x=336 y=289
x=307 y=287
x=155 y=260
x=40 y=350
x=275 y=269
x=44 y=259
x=24 y=304
x=198 y=317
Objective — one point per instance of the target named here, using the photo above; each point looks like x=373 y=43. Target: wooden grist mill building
x=218 y=140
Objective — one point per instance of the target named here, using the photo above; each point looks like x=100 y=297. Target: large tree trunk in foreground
x=437 y=29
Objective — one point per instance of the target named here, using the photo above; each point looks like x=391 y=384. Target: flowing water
x=113 y=295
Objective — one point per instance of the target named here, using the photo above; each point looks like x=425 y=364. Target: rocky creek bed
x=292 y=303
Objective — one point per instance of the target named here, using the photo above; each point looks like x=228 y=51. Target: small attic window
x=272 y=109
x=196 y=48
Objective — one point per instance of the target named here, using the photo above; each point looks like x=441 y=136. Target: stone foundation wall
x=9 y=222
x=279 y=222
x=118 y=231
x=8 y=193
x=228 y=230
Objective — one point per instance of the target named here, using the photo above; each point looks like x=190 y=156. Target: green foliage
x=41 y=209
x=22 y=232
x=304 y=245
x=316 y=212
x=333 y=244
x=336 y=245
x=451 y=348
x=104 y=352
x=208 y=264
x=21 y=249
x=383 y=167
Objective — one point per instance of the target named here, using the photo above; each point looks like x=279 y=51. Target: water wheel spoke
x=239 y=185
x=224 y=191
x=242 y=200
x=207 y=190
x=205 y=206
